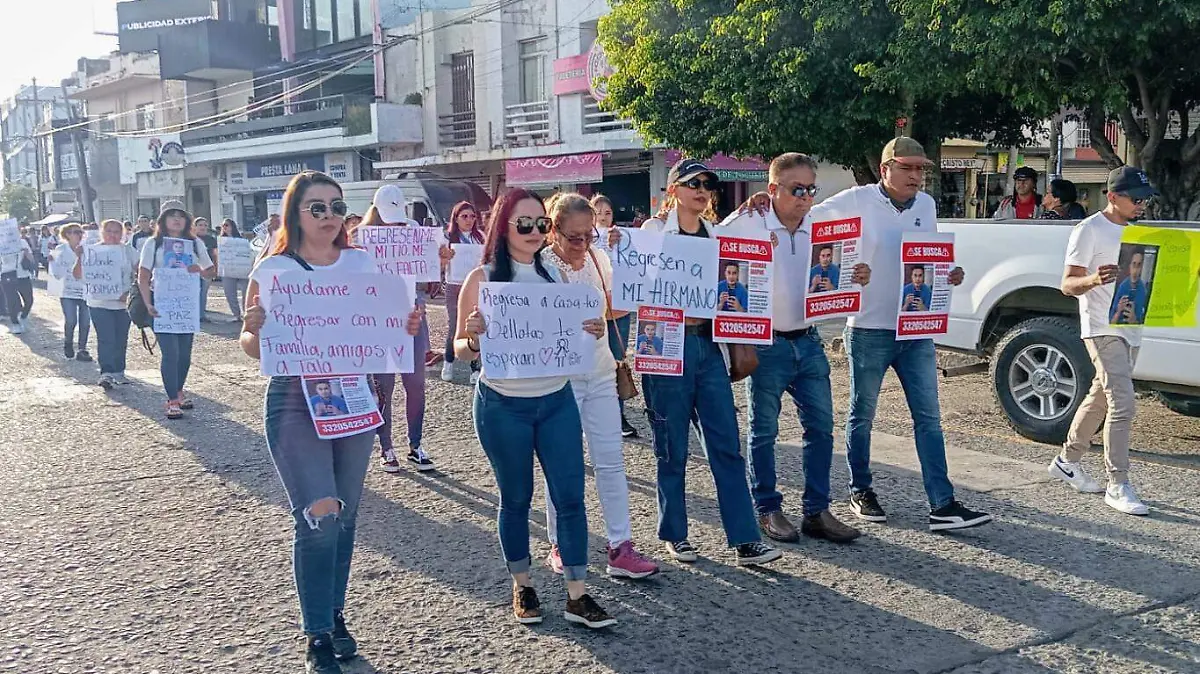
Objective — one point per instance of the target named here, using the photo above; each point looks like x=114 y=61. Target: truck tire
x=1040 y=373
x=1189 y=406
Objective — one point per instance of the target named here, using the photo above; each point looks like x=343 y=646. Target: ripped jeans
x=314 y=470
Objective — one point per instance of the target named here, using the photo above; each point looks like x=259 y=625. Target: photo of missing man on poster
x=1135 y=282
x=732 y=293
x=917 y=294
x=325 y=397
x=649 y=342
x=827 y=270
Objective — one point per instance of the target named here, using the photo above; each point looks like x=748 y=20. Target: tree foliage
x=762 y=77
x=1132 y=61
x=19 y=201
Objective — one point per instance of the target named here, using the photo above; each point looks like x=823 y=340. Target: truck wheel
x=1040 y=374
x=1178 y=403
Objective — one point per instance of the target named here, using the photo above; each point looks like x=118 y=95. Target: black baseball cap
x=686 y=169
x=1132 y=182
x=1025 y=172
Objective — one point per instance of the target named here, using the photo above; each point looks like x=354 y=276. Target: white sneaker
x=16 y=329
x=1122 y=497
x=120 y=378
x=474 y=378
x=447 y=371
x=1074 y=475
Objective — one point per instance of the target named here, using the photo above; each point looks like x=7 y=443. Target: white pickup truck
x=1010 y=312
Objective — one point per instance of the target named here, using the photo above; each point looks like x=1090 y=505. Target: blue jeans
x=871 y=353
x=799 y=368
x=704 y=391
x=618 y=341
x=312 y=469
x=511 y=430
x=176 y=352
x=112 y=339
x=76 y=314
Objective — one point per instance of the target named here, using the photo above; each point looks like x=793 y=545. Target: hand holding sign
x=254 y=317
x=956 y=276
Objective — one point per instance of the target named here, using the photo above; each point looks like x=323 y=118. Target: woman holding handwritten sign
x=323 y=478
x=595 y=393
x=107 y=270
x=387 y=208
x=174 y=222
x=464 y=228
x=517 y=418
x=64 y=266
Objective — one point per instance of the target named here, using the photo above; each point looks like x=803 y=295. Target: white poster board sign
x=103 y=271
x=467 y=256
x=177 y=300
x=10 y=237
x=536 y=329
x=665 y=270
x=235 y=257
x=321 y=323
x=403 y=251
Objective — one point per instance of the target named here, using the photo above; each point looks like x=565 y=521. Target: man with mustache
x=889 y=209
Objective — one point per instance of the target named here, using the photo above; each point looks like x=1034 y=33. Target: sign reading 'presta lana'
x=141 y=22
x=284 y=166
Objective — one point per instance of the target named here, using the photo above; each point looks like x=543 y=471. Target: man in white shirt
x=889 y=209
x=1091 y=270
x=795 y=362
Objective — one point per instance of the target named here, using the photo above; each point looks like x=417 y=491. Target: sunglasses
x=582 y=238
x=800 y=191
x=710 y=184
x=1138 y=202
x=525 y=224
x=319 y=209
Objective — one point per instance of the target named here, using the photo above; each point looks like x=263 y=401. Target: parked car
x=1011 y=312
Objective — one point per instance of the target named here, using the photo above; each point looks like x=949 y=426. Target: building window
x=347 y=21
x=324 y=13
x=366 y=19
x=144 y=117
x=533 y=70
x=1083 y=137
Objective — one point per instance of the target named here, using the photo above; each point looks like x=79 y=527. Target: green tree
x=1130 y=61
x=761 y=77
x=19 y=201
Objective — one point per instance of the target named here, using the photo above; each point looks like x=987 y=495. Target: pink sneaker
x=625 y=562
x=554 y=560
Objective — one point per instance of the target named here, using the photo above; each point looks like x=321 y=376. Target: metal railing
x=527 y=123
x=456 y=129
x=596 y=120
x=350 y=113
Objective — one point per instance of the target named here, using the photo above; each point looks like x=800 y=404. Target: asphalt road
x=134 y=544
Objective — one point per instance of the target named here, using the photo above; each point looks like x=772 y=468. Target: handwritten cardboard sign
x=177 y=300
x=105 y=272
x=403 y=251
x=467 y=256
x=536 y=329
x=10 y=237
x=235 y=257
x=665 y=270
x=320 y=323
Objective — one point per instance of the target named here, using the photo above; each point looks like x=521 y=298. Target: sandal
x=173 y=411
x=185 y=403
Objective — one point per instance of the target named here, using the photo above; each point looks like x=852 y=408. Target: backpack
x=139 y=315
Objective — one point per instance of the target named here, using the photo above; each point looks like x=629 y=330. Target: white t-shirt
x=9 y=263
x=883 y=229
x=791 y=262
x=151 y=256
x=1096 y=241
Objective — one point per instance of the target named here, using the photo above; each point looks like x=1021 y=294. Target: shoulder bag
x=626 y=388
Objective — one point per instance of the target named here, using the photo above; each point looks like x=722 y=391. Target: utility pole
x=85 y=185
x=37 y=148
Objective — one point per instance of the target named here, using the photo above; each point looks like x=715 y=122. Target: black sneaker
x=320 y=658
x=83 y=356
x=956 y=516
x=344 y=645
x=585 y=611
x=753 y=554
x=69 y=351
x=865 y=506
x=682 y=551
x=420 y=460
x=627 y=429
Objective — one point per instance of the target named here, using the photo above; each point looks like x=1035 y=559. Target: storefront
x=256 y=186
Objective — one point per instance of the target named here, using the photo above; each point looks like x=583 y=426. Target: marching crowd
x=528 y=240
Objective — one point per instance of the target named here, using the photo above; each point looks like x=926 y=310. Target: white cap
x=389 y=201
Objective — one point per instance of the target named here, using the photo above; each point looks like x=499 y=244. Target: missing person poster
x=744 y=291
x=830 y=291
x=1158 y=278
x=924 y=301
x=658 y=341
x=178 y=253
x=341 y=405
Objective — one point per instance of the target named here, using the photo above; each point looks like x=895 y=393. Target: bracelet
x=473 y=348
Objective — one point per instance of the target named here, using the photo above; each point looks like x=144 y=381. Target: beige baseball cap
x=905 y=150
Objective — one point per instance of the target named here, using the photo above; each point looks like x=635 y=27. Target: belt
x=796 y=334
x=702 y=329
